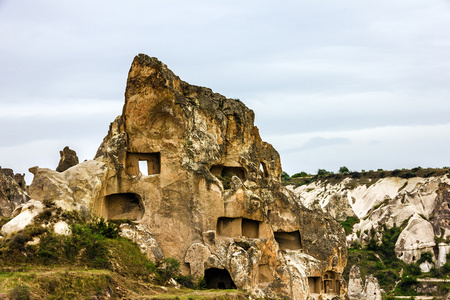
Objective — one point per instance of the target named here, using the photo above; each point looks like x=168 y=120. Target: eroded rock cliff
x=421 y=204
x=13 y=191
x=188 y=168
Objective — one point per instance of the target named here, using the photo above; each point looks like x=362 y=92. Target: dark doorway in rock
x=218 y=279
x=314 y=285
x=236 y=227
x=288 y=240
x=123 y=206
x=250 y=228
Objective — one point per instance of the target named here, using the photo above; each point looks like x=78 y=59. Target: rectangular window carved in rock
x=288 y=240
x=143 y=163
x=236 y=227
x=230 y=227
x=250 y=228
x=314 y=285
x=123 y=206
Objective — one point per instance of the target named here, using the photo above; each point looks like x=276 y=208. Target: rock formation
x=421 y=203
x=68 y=159
x=357 y=291
x=188 y=168
x=12 y=191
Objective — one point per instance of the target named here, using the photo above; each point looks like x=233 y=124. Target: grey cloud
x=319 y=142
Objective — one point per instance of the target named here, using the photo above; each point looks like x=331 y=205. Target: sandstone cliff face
x=12 y=191
x=188 y=166
x=423 y=204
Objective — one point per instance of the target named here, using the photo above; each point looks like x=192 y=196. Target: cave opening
x=315 y=285
x=225 y=174
x=236 y=227
x=288 y=240
x=218 y=279
x=123 y=206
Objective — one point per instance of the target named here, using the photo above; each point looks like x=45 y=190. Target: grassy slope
x=92 y=262
x=69 y=282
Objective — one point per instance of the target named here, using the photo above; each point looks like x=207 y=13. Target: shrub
x=407 y=286
x=349 y=223
x=20 y=292
x=426 y=256
x=413 y=269
x=344 y=170
x=301 y=174
x=166 y=269
x=285 y=176
x=186 y=281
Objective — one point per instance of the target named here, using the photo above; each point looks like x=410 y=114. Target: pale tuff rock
x=389 y=201
x=62 y=228
x=357 y=291
x=416 y=238
x=372 y=288
x=143 y=237
x=355 y=284
x=72 y=189
x=444 y=249
x=26 y=216
x=187 y=166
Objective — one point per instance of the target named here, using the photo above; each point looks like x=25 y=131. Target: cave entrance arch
x=218 y=279
x=123 y=206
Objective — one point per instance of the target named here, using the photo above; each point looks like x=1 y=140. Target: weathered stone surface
x=144 y=238
x=188 y=166
x=372 y=288
x=73 y=189
x=422 y=202
x=62 y=228
x=68 y=158
x=357 y=290
x=12 y=191
x=28 y=212
x=355 y=284
x=416 y=238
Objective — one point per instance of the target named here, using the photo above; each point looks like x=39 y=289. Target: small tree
x=322 y=172
x=344 y=170
x=285 y=176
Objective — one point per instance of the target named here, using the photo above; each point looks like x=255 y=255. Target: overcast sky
x=362 y=84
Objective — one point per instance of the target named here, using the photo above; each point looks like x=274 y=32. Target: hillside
x=401 y=217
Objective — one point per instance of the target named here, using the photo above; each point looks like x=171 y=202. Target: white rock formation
x=390 y=201
x=28 y=212
x=415 y=239
x=356 y=291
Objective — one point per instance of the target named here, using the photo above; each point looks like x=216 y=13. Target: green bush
x=344 y=170
x=166 y=269
x=301 y=174
x=349 y=223
x=285 y=176
x=413 y=269
x=20 y=292
x=426 y=256
x=407 y=286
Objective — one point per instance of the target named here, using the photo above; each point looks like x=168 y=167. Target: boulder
x=26 y=216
